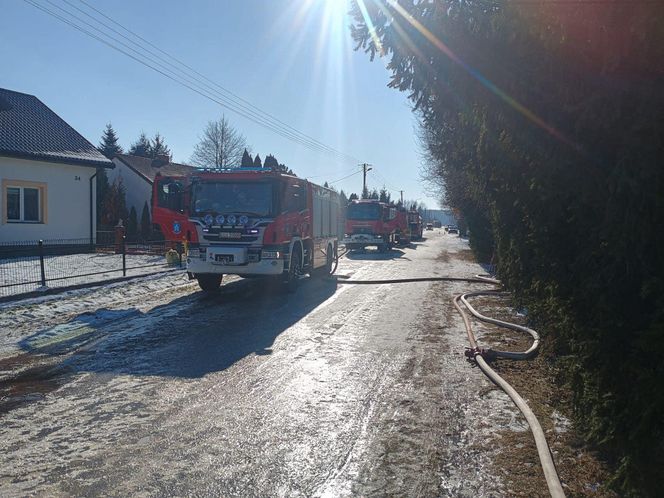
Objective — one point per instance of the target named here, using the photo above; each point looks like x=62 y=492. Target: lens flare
x=516 y=105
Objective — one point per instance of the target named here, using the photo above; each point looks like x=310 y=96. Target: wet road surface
x=335 y=390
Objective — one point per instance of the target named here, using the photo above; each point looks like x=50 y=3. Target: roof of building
x=148 y=168
x=30 y=130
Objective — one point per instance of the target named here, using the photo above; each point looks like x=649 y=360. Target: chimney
x=160 y=160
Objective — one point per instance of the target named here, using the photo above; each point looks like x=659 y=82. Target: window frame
x=21 y=185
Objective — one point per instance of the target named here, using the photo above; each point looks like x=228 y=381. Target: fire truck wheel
x=294 y=271
x=209 y=282
x=329 y=260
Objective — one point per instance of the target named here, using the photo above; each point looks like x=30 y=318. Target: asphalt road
x=335 y=390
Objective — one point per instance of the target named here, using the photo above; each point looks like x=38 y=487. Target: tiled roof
x=29 y=129
x=148 y=168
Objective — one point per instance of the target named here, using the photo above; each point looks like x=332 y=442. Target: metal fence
x=37 y=265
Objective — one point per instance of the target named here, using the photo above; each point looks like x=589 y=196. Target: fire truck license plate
x=223 y=258
x=230 y=235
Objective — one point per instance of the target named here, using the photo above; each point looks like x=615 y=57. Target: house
x=138 y=173
x=47 y=174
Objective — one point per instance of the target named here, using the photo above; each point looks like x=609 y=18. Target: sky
x=293 y=59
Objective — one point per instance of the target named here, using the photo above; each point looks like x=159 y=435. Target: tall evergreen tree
x=285 y=169
x=271 y=162
x=109 y=145
x=246 y=162
x=141 y=147
x=132 y=224
x=385 y=196
x=257 y=162
x=146 y=225
x=158 y=146
x=353 y=197
x=102 y=191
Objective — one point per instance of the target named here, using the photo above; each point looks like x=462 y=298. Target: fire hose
x=480 y=356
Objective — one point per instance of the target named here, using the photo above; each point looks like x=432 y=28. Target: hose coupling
x=487 y=354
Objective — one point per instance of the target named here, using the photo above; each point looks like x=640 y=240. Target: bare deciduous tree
x=221 y=146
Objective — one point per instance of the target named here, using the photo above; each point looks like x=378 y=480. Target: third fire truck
x=249 y=222
x=415 y=225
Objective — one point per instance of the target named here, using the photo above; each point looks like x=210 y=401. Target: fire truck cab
x=249 y=222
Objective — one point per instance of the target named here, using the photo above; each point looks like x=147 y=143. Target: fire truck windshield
x=239 y=198
x=362 y=211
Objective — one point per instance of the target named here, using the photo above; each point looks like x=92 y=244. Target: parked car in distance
x=452 y=229
x=429 y=226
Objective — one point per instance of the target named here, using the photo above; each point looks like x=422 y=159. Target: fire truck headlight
x=231 y=219
x=244 y=220
x=208 y=219
x=220 y=219
x=252 y=231
x=270 y=254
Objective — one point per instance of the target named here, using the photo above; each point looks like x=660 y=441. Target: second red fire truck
x=249 y=222
x=373 y=223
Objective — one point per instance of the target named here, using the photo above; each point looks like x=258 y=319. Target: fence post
x=124 y=256
x=41 y=263
x=119 y=234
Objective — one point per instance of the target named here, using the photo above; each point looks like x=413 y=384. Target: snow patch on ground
x=57 y=318
x=24 y=275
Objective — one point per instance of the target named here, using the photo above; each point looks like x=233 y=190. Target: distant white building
x=138 y=173
x=47 y=174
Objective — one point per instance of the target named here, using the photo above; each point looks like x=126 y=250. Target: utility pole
x=365 y=168
x=401 y=192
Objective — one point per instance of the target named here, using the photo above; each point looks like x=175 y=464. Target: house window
x=24 y=202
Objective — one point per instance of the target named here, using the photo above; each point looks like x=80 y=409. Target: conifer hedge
x=544 y=124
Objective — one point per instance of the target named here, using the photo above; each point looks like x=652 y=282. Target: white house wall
x=67 y=200
x=137 y=190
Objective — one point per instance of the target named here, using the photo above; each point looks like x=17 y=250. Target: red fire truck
x=248 y=222
x=415 y=224
x=371 y=223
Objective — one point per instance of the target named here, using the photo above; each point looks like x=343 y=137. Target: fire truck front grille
x=217 y=238
x=215 y=234
x=365 y=230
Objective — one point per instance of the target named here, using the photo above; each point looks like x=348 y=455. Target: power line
x=185 y=79
x=352 y=174
x=327 y=174
x=223 y=89
x=259 y=119
x=382 y=179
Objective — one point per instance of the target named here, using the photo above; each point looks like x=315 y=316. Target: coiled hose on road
x=546 y=459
